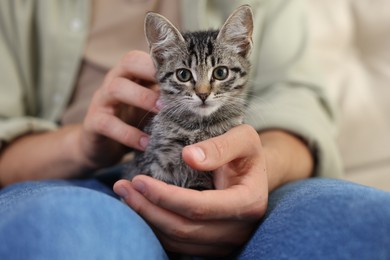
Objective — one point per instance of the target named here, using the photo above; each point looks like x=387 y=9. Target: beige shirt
x=39 y=69
x=110 y=37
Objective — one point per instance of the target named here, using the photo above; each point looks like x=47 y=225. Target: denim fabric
x=61 y=220
x=323 y=219
x=310 y=219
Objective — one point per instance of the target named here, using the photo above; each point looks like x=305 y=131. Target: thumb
x=239 y=142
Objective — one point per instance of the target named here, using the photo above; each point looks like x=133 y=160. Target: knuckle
x=146 y=97
x=198 y=213
x=255 y=211
x=100 y=124
x=180 y=232
x=253 y=138
x=128 y=57
x=113 y=88
x=131 y=57
x=128 y=138
x=155 y=197
x=135 y=206
x=220 y=147
x=109 y=75
x=97 y=101
x=250 y=131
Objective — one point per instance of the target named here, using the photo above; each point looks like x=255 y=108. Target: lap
x=310 y=219
x=323 y=219
x=71 y=220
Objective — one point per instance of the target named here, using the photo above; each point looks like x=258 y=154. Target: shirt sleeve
x=286 y=90
x=17 y=103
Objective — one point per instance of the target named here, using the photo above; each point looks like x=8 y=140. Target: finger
x=163 y=220
x=122 y=132
x=134 y=65
x=178 y=228
x=122 y=90
x=194 y=249
x=239 y=142
x=235 y=203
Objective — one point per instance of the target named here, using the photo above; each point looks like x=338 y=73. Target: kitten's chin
x=205 y=110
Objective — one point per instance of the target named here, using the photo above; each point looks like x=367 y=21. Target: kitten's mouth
x=205 y=109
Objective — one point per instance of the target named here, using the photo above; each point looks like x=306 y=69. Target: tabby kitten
x=202 y=77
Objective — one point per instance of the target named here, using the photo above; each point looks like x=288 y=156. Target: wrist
x=287 y=157
x=72 y=144
x=276 y=166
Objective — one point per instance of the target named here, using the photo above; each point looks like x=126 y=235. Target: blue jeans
x=310 y=219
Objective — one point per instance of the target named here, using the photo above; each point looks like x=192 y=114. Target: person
x=71 y=108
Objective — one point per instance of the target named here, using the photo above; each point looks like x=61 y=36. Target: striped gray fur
x=206 y=104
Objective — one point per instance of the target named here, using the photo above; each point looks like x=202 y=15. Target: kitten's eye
x=183 y=75
x=220 y=73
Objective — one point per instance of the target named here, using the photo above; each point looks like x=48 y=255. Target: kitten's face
x=201 y=72
x=203 y=76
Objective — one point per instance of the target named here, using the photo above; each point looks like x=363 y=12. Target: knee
x=77 y=223
x=333 y=205
x=325 y=214
x=330 y=194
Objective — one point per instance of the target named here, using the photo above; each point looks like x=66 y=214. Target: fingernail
x=144 y=141
x=122 y=192
x=159 y=104
x=198 y=153
x=139 y=186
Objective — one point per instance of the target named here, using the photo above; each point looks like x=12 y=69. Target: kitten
x=202 y=77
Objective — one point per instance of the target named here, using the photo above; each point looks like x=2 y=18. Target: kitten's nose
x=203 y=96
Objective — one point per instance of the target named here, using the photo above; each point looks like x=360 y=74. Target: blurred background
x=351 y=43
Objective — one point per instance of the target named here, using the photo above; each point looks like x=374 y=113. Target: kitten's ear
x=237 y=31
x=163 y=38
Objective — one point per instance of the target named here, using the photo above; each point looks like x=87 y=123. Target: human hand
x=211 y=222
x=128 y=93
